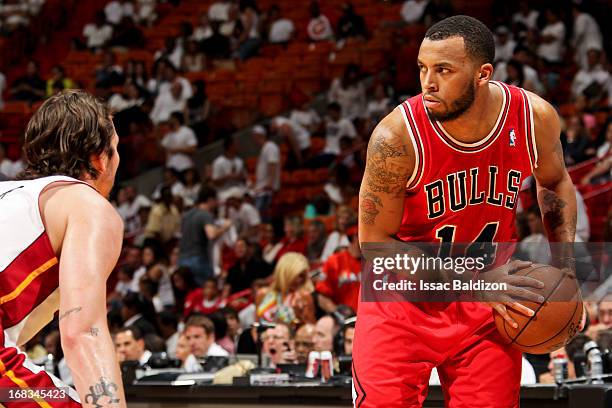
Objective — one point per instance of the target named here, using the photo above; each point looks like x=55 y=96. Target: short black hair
x=206 y=193
x=334 y=106
x=227 y=142
x=477 y=38
x=136 y=332
x=180 y=118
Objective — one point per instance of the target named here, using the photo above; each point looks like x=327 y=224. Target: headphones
x=343 y=323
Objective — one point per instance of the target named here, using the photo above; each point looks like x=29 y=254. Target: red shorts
x=397 y=344
x=18 y=373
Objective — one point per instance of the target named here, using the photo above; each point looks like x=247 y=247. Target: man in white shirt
x=98 y=33
x=180 y=144
x=335 y=128
x=200 y=333
x=319 y=27
x=593 y=72
x=129 y=205
x=130 y=346
x=281 y=29
x=6 y=165
x=504 y=44
x=296 y=136
x=586 y=35
x=171 y=77
x=228 y=169
x=551 y=38
x=168 y=102
x=413 y=10
x=267 y=171
x=526 y=16
x=219 y=11
x=117 y=9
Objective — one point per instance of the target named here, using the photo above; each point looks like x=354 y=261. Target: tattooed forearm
x=102 y=393
x=369 y=207
x=94 y=331
x=559 y=220
x=552 y=210
x=71 y=311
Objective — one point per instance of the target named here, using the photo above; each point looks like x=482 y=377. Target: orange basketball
x=555 y=321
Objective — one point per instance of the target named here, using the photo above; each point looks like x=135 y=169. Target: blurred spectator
x=504 y=44
x=145 y=11
x=116 y=10
x=203 y=30
x=601 y=173
x=98 y=33
x=234 y=330
x=296 y=137
x=137 y=311
x=583 y=228
x=182 y=283
x=315 y=240
x=164 y=219
x=577 y=141
x=304 y=342
x=137 y=74
x=168 y=326
x=129 y=203
x=306 y=117
x=379 y=106
x=242 y=212
x=604 y=311
x=30 y=87
x=267 y=171
x=205 y=300
x=570 y=351
x=288 y=299
x=593 y=80
x=198 y=111
x=180 y=143
x=349 y=93
x=130 y=345
x=535 y=247
x=341 y=271
x=413 y=10
x=191 y=187
x=170 y=179
x=232 y=27
x=127 y=35
x=319 y=27
x=149 y=289
x=281 y=29
x=183 y=353
x=350 y=24
x=58 y=75
x=529 y=77
x=552 y=35
x=152 y=259
x=129 y=98
x=325 y=331
x=200 y=333
x=219 y=10
x=294 y=237
x=348 y=336
x=125 y=274
x=109 y=74
x=336 y=127
x=526 y=15
x=338 y=238
x=198 y=230
x=171 y=52
x=217 y=46
x=281 y=349
x=228 y=169
x=437 y=10
x=249 y=40
x=247 y=268
x=193 y=59
x=586 y=35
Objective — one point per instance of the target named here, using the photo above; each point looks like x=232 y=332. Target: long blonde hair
x=288 y=267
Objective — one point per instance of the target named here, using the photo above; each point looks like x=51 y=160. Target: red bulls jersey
x=467 y=192
x=29 y=269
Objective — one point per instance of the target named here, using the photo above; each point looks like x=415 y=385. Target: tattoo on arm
x=387 y=167
x=71 y=311
x=553 y=217
x=102 y=393
x=94 y=331
x=370 y=205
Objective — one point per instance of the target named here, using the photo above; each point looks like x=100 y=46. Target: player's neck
x=478 y=121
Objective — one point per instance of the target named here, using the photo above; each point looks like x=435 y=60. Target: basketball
x=555 y=321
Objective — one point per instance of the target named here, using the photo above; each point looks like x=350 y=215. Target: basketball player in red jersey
x=447 y=166
x=60 y=240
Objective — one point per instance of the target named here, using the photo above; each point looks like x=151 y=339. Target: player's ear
x=485 y=73
x=99 y=161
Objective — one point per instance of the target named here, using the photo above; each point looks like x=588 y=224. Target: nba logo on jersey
x=512 y=138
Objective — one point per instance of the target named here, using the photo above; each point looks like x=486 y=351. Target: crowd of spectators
x=210 y=252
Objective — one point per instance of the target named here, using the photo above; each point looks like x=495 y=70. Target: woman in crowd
x=289 y=298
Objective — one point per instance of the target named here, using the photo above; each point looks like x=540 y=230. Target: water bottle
x=595 y=362
x=49 y=364
x=560 y=368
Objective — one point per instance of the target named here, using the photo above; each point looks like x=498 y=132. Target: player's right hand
x=517 y=289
